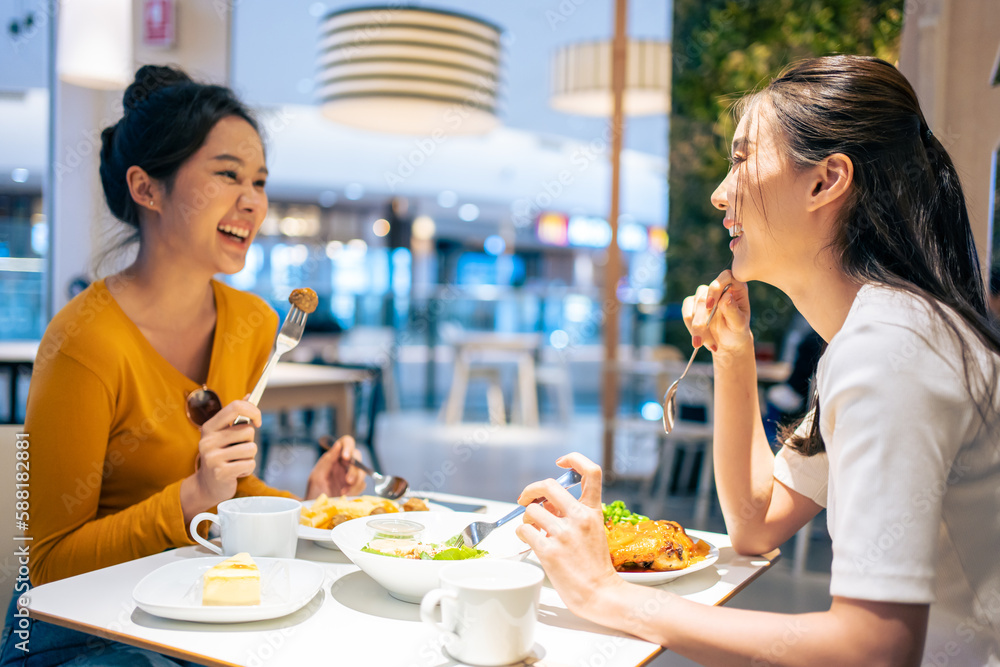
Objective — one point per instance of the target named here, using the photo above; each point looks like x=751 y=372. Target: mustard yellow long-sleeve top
x=110 y=440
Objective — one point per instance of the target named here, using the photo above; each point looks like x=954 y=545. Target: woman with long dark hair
x=127 y=442
x=842 y=197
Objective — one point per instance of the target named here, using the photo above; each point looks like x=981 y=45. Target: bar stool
x=494 y=392
x=556 y=374
x=491 y=350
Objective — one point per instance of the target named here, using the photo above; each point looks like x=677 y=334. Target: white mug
x=488 y=610
x=265 y=526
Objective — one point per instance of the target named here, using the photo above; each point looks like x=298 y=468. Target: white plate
x=409 y=580
x=657 y=578
x=321 y=536
x=174 y=590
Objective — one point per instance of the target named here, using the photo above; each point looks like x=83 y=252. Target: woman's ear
x=832 y=179
x=145 y=190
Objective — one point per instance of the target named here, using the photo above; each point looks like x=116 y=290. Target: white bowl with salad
x=406 y=560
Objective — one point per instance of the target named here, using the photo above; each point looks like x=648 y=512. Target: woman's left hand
x=333 y=474
x=568 y=536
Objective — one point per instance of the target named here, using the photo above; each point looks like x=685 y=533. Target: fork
x=670 y=398
x=288 y=337
x=477 y=531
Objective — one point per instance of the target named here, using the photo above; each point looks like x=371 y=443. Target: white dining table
x=352 y=620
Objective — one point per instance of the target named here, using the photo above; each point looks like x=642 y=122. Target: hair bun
x=148 y=80
x=167 y=118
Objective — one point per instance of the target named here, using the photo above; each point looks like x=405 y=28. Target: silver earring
x=151 y=202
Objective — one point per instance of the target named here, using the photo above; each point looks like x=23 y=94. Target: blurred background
x=441 y=175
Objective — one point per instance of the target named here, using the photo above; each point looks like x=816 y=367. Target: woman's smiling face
x=217 y=201
x=764 y=197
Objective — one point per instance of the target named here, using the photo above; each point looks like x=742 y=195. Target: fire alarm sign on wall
x=159 y=22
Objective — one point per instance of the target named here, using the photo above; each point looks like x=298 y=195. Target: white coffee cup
x=488 y=610
x=263 y=526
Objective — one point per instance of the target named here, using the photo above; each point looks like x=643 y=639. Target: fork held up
x=288 y=337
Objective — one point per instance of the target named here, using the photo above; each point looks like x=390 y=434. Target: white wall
x=202 y=47
x=24 y=57
x=949 y=54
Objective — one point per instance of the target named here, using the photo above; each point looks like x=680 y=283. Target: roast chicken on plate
x=653 y=546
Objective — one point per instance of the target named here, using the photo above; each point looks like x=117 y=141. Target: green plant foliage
x=723 y=48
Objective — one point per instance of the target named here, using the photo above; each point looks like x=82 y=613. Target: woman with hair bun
x=841 y=196
x=123 y=456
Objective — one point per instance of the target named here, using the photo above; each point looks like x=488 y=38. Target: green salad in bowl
x=407 y=559
x=452 y=549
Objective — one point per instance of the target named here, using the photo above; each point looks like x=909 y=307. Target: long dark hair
x=905 y=223
x=167 y=118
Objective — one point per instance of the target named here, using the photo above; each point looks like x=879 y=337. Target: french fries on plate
x=326 y=512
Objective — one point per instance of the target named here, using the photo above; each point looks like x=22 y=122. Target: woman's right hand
x=729 y=331
x=226 y=453
x=568 y=537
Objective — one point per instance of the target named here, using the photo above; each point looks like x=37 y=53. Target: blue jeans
x=30 y=643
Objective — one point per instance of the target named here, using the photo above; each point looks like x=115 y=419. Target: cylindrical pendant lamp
x=94 y=48
x=581 y=78
x=409 y=70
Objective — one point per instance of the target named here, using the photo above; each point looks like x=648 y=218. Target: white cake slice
x=235 y=581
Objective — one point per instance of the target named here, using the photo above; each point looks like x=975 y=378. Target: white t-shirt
x=911 y=475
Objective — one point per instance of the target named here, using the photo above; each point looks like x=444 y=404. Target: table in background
x=295 y=386
x=353 y=620
x=291 y=386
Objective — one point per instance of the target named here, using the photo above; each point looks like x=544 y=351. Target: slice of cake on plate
x=235 y=581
